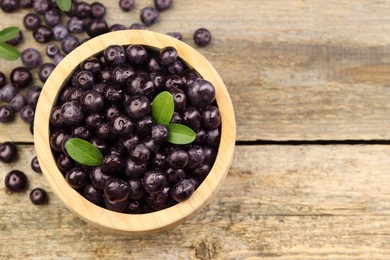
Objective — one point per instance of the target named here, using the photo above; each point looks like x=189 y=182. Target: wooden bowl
x=120 y=222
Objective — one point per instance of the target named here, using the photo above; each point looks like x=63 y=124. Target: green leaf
x=83 y=152
x=180 y=134
x=64 y=5
x=8 y=33
x=162 y=108
x=8 y=52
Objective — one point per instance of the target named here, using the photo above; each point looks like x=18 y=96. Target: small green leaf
x=64 y=5
x=8 y=52
x=162 y=108
x=180 y=134
x=8 y=33
x=83 y=152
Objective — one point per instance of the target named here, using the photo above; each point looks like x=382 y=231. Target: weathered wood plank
x=295 y=202
x=295 y=70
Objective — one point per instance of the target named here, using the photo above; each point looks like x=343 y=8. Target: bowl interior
x=120 y=222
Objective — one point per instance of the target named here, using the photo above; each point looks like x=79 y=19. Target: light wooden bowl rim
x=132 y=223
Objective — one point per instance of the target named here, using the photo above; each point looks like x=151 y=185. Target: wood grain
x=296 y=70
x=279 y=202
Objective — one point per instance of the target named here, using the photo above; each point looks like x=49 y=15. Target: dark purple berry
x=35 y=165
x=176 y=35
x=114 y=55
x=168 y=55
x=144 y=126
x=159 y=200
x=45 y=70
x=179 y=99
x=116 y=190
x=8 y=152
x=16 y=40
x=38 y=196
x=196 y=156
x=93 y=195
x=98 y=178
x=65 y=163
x=133 y=170
x=81 y=132
x=192 y=118
x=77 y=178
x=41 y=6
x=137 y=26
x=15 y=181
x=31 y=21
x=20 y=77
x=26 y=3
x=32 y=95
x=9 y=6
x=51 y=50
x=52 y=17
x=98 y=10
x=160 y=133
x=92 y=101
x=137 y=107
x=174 y=176
x=27 y=114
x=121 y=73
x=43 y=34
x=149 y=15
x=8 y=92
x=17 y=102
x=60 y=32
x=69 y=43
x=76 y=25
x=91 y=64
x=112 y=163
x=172 y=81
x=72 y=113
x=84 y=80
x=7 y=114
x=120 y=206
x=200 y=172
x=183 y=190
x=162 y=5
x=136 y=190
x=201 y=93
x=176 y=118
x=189 y=76
x=175 y=68
x=121 y=126
x=202 y=37
x=114 y=94
x=96 y=27
x=111 y=112
x=137 y=54
x=74 y=94
x=126 y=5
x=140 y=154
x=31 y=58
x=140 y=84
x=93 y=121
x=83 y=10
x=116 y=27
x=212 y=137
x=211 y=117
x=154 y=181
x=178 y=158
x=58 y=58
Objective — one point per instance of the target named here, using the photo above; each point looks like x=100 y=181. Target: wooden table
x=310 y=83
